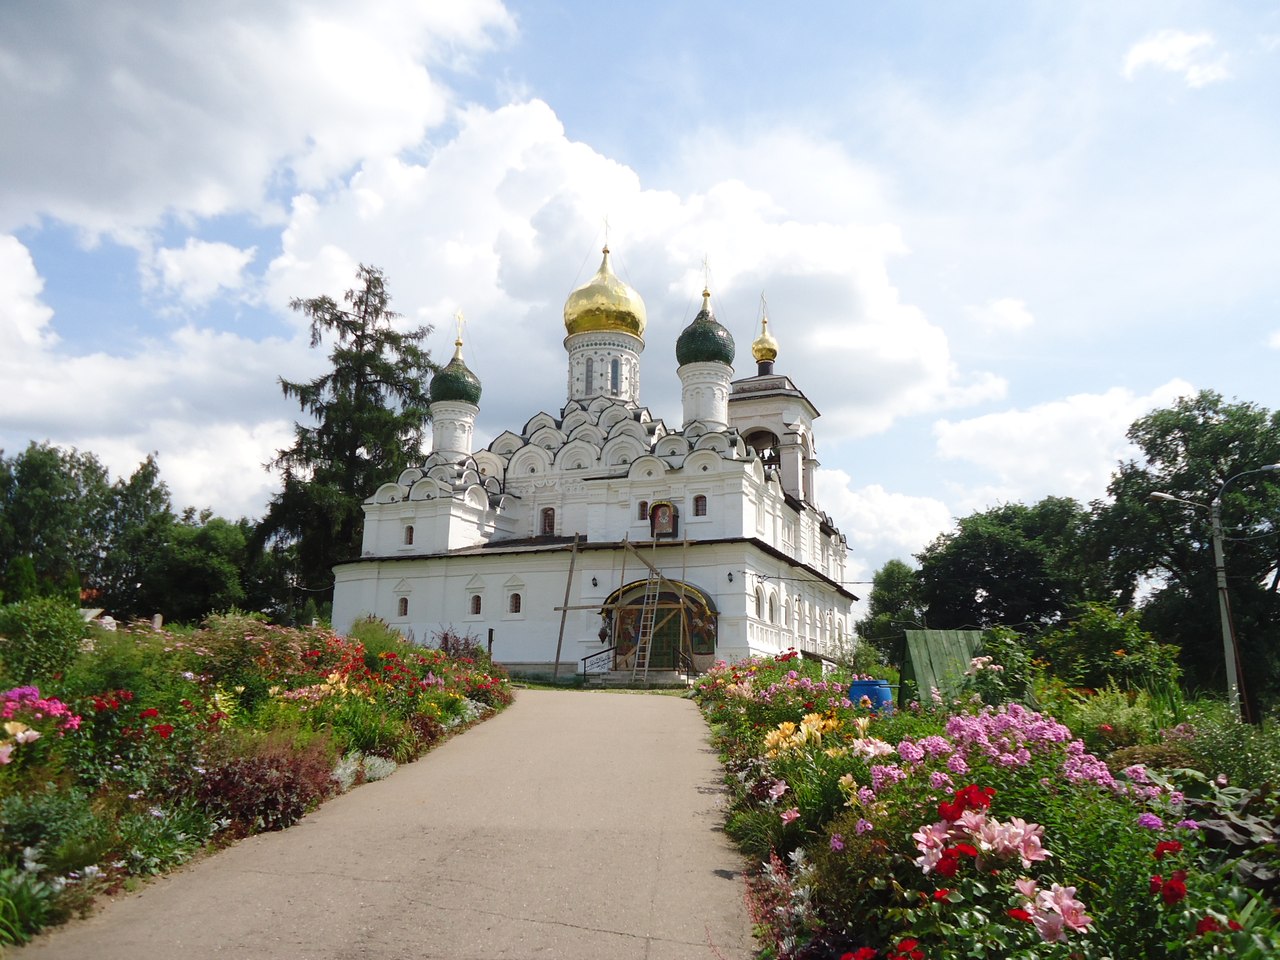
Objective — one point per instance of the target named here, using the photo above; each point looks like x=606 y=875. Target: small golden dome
x=764 y=348
x=604 y=303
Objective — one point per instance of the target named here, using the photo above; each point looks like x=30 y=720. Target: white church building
x=600 y=532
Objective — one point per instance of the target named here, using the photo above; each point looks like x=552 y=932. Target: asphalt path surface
x=573 y=825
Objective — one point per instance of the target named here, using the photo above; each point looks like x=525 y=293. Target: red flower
x=972 y=797
x=1167 y=846
x=941 y=894
x=1019 y=914
x=1232 y=925
x=149 y=712
x=1175 y=888
x=1208 y=925
x=1156 y=883
x=862 y=953
x=908 y=949
x=163 y=730
x=948 y=865
x=965 y=850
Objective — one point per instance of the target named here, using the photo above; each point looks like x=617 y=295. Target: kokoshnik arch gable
x=659 y=545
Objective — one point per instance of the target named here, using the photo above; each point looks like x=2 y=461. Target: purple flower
x=863 y=826
x=837 y=842
x=1150 y=821
x=1188 y=825
x=910 y=752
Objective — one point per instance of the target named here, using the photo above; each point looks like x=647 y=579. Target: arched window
x=591 y=369
x=475 y=604
x=786 y=614
x=759 y=604
x=408 y=535
x=402 y=607
x=513 y=604
x=615 y=377
x=773 y=609
x=699 y=506
x=642 y=510
x=548 y=521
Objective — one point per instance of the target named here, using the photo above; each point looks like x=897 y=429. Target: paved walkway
x=574 y=825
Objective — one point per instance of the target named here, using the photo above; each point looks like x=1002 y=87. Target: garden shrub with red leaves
x=267 y=784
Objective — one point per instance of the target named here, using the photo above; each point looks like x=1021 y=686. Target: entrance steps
x=654 y=679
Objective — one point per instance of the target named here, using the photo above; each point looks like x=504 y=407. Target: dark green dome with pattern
x=455 y=381
x=705 y=340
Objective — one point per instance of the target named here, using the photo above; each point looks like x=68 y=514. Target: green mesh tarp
x=936 y=658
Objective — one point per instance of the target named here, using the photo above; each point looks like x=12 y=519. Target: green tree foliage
x=368 y=417
x=1190 y=451
x=892 y=607
x=1013 y=565
x=39 y=638
x=53 y=505
x=197 y=570
x=132 y=537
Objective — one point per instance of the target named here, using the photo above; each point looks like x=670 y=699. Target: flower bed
x=151 y=744
x=969 y=831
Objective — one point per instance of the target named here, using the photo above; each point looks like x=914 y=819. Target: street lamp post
x=1230 y=647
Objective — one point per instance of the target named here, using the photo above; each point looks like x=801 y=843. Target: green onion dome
x=455 y=381
x=705 y=340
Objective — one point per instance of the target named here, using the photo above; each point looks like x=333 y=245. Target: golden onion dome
x=604 y=303
x=764 y=347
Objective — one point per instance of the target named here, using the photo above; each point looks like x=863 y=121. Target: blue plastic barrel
x=877 y=692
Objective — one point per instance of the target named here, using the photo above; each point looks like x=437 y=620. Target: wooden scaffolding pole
x=564 y=610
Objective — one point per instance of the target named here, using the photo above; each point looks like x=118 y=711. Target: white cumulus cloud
x=24 y=318
x=1003 y=315
x=199 y=269
x=140 y=109
x=1066 y=447
x=879 y=525
x=1190 y=54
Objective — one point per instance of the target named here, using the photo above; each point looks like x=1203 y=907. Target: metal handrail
x=685 y=663
x=593 y=656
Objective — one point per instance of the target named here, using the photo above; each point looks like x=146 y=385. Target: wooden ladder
x=644 y=634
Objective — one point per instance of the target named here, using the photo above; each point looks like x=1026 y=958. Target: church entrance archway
x=686 y=620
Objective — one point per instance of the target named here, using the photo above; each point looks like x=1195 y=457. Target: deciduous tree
x=1164 y=550
x=1013 y=565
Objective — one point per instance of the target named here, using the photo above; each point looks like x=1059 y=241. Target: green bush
x=1102 y=646
x=39 y=638
x=59 y=826
x=377 y=638
x=29 y=904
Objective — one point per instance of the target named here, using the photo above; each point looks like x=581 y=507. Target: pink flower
x=837 y=843
x=5 y=751
x=863 y=826
x=778 y=789
x=1063 y=901
x=790 y=815
x=1050 y=926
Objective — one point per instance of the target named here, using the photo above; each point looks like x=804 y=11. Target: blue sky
x=991 y=235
